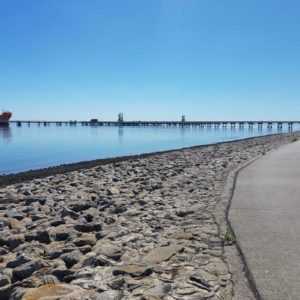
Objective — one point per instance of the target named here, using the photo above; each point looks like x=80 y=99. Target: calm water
x=24 y=148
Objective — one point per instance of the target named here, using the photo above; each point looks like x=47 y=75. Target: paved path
x=265 y=215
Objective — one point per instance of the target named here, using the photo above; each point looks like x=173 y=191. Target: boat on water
x=5 y=117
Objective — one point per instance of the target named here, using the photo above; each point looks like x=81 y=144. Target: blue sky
x=158 y=59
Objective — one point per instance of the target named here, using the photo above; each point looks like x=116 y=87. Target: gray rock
x=161 y=254
x=13 y=213
x=85 y=239
x=117 y=283
x=159 y=291
x=108 y=249
x=110 y=295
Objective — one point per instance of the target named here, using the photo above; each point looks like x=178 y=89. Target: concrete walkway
x=265 y=215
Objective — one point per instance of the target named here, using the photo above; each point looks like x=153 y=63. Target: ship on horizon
x=5 y=117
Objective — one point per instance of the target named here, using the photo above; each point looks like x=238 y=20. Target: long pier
x=203 y=124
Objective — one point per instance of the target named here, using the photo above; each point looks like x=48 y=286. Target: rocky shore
x=148 y=228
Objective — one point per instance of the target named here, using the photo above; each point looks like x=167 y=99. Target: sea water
x=34 y=147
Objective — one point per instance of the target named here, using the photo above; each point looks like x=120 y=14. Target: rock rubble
x=140 y=229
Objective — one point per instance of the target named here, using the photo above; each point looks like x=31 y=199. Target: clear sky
x=150 y=59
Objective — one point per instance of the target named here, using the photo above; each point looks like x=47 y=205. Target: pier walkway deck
x=183 y=123
x=265 y=215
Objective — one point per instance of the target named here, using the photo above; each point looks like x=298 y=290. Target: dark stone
x=184 y=213
x=71 y=258
x=95 y=261
x=142 y=202
x=5 y=292
x=30 y=200
x=57 y=222
x=62 y=235
x=62 y=273
x=133 y=270
x=118 y=209
x=66 y=212
x=37 y=216
x=14 y=241
x=53 y=254
x=40 y=236
x=26 y=270
x=85 y=249
x=78 y=207
x=4 y=280
x=3 y=251
x=88 y=227
x=89 y=218
x=20 y=260
x=109 y=220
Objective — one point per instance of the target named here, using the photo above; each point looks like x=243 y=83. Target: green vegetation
x=229 y=237
x=295 y=139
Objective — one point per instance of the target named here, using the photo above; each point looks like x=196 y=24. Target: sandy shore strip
x=149 y=228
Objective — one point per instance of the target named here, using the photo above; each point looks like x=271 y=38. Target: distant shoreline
x=19 y=177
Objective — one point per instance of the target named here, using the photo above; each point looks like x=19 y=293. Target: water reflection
x=39 y=146
x=120 y=134
x=5 y=133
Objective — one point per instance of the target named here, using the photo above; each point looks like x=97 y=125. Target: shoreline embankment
x=151 y=226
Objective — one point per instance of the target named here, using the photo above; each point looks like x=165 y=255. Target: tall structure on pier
x=120 y=118
x=183 y=119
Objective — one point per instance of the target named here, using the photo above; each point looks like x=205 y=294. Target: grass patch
x=295 y=139
x=229 y=237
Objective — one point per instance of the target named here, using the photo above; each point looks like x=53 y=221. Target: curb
x=228 y=194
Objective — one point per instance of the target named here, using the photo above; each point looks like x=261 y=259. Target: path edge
x=227 y=196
